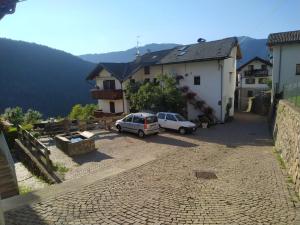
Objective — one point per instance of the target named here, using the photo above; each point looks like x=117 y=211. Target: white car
x=175 y=121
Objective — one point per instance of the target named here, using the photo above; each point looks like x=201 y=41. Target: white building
x=285 y=48
x=208 y=69
x=252 y=79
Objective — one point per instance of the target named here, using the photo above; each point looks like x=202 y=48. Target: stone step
x=8 y=187
x=5 y=175
x=6 y=180
x=4 y=169
x=10 y=193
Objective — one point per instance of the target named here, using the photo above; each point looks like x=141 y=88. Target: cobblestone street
x=249 y=187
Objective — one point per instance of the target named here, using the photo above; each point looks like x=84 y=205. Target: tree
x=80 y=112
x=32 y=116
x=159 y=96
x=76 y=112
x=14 y=115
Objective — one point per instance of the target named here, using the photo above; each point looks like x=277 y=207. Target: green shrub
x=10 y=135
x=80 y=112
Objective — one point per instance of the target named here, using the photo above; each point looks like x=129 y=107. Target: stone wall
x=287 y=139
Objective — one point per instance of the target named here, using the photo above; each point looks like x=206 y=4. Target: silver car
x=139 y=123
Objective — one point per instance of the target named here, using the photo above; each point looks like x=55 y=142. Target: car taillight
x=145 y=124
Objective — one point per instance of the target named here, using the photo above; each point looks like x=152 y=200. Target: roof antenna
x=137 y=46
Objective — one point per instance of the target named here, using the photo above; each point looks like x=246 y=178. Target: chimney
x=200 y=40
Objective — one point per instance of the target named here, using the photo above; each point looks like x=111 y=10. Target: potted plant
x=204 y=120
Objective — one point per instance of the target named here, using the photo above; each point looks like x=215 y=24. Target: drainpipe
x=1 y=213
x=123 y=96
x=279 y=74
x=221 y=66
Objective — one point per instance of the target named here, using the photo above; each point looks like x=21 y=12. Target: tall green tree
x=159 y=96
x=80 y=112
x=32 y=116
x=14 y=115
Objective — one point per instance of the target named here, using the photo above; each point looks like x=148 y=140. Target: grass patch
x=279 y=159
x=24 y=189
x=59 y=167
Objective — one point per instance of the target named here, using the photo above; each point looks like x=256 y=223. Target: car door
x=137 y=123
x=171 y=122
x=161 y=119
x=127 y=123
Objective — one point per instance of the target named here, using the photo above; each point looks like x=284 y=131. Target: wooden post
x=1 y=213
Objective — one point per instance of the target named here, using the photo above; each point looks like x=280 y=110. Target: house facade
x=207 y=69
x=252 y=80
x=285 y=49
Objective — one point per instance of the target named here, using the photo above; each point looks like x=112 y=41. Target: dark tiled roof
x=255 y=59
x=219 y=49
x=284 y=38
x=118 y=70
x=122 y=70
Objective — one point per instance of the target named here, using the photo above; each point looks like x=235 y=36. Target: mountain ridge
x=250 y=48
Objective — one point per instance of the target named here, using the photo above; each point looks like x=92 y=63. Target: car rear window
x=137 y=119
x=151 y=119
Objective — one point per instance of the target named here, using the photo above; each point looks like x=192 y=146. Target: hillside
x=125 y=56
x=252 y=47
x=35 y=76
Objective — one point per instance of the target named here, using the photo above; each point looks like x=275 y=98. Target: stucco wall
x=287 y=139
x=105 y=106
x=289 y=58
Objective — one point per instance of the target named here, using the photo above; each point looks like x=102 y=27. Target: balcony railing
x=256 y=73
x=107 y=94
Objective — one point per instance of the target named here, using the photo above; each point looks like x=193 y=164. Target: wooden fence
x=39 y=155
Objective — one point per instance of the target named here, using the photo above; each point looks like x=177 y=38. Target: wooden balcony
x=107 y=94
x=256 y=73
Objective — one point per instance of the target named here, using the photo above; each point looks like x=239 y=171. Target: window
x=154 y=80
x=263 y=67
x=262 y=80
x=230 y=76
x=170 y=117
x=161 y=116
x=147 y=80
x=250 y=93
x=138 y=119
x=250 y=80
x=180 y=117
x=128 y=118
x=250 y=67
x=298 y=69
x=197 y=80
x=132 y=81
x=151 y=119
x=147 y=70
x=109 y=85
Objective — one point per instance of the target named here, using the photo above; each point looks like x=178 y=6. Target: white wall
x=209 y=88
x=105 y=75
x=290 y=56
x=102 y=103
x=106 y=107
x=229 y=82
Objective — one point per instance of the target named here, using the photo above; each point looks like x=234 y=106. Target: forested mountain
x=125 y=56
x=38 y=77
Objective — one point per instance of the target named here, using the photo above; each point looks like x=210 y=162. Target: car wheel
x=141 y=133
x=182 y=130
x=119 y=128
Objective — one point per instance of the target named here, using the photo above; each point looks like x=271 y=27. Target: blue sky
x=95 y=26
